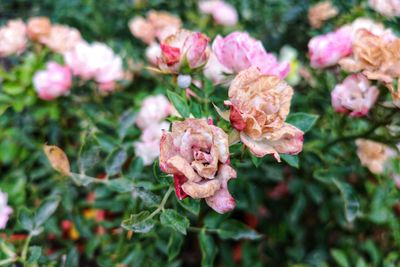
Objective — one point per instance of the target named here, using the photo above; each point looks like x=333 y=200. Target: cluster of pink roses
x=195 y=151
x=368 y=50
x=96 y=61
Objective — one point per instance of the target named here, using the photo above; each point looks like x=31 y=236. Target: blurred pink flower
x=388 y=8
x=326 y=50
x=215 y=71
x=153 y=52
x=238 y=51
x=183 y=47
x=13 y=38
x=61 y=38
x=372 y=27
x=96 y=61
x=53 y=82
x=5 y=210
x=38 y=27
x=148 y=147
x=222 y=12
x=154 y=110
x=354 y=95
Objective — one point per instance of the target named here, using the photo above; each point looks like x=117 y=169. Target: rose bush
x=199 y=133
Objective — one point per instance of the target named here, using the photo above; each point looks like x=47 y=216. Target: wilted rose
x=184 y=47
x=12 y=38
x=154 y=110
x=5 y=210
x=388 y=8
x=238 y=51
x=38 y=27
x=259 y=106
x=53 y=82
x=197 y=154
x=354 y=95
x=326 y=50
x=222 y=12
x=95 y=61
x=373 y=155
x=61 y=38
x=148 y=147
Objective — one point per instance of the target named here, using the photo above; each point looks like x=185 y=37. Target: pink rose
x=96 y=61
x=184 y=46
x=374 y=155
x=148 y=148
x=372 y=27
x=355 y=95
x=259 y=106
x=222 y=12
x=326 y=50
x=239 y=51
x=154 y=110
x=215 y=71
x=13 y=38
x=53 y=82
x=142 y=29
x=61 y=38
x=38 y=27
x=197 y=154
x=5 y=210
x=388 y=8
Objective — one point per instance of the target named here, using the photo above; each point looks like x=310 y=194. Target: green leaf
x=46 y=209
x=136 y=167
x=72 y=258
x=34 y=254
x=208 y=249
x=121 y=185
x=256 y=160
x=148 y=198
x=176 y=221
x=139 y=223
x=174 y=246
x=351 y=204
x=25 y=219
x=303 y=121
x=179 y=103
x=13 y=88
x=115 y=161
x=195 y=109
x=232 y=229
x=292 y=160
x=340 y=258
x=191 y=205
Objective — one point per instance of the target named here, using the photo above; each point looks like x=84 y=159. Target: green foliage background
x=335 y=212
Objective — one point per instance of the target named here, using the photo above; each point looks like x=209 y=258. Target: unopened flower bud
x=184 y=81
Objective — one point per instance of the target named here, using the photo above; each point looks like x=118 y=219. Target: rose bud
x=354 y=95
x=259 y=105
x=326 y=50
x=238 y=51
x=12 y=38
x=53 y=82
x=197 y=154
x=184 y=52
x=38 y=27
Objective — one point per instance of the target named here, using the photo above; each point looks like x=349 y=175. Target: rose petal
x=182 y=166
x=178 y=181
x=222 y=201
x=202 y=189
